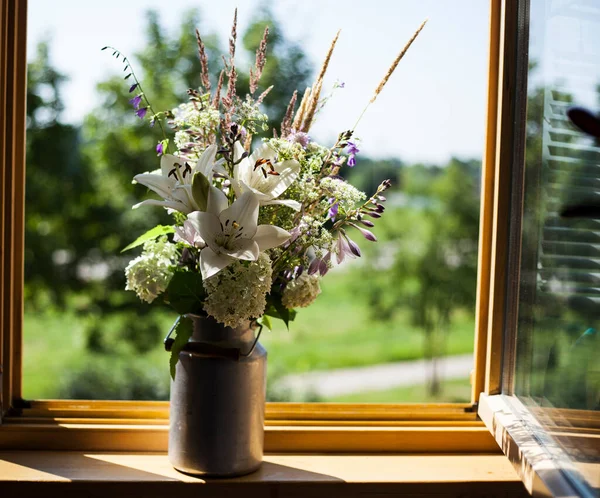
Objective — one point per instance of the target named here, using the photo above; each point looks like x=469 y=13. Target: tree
x=55 y=170
x=435 y=269
x=79 y=190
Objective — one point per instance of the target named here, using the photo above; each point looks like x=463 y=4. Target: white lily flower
x=261 y=174
x=173 y=182
x=232 y=232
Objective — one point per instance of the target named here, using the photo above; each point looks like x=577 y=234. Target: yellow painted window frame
x=290 y=427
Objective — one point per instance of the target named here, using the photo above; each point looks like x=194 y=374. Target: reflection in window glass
x=393 y=326
x=558 y=339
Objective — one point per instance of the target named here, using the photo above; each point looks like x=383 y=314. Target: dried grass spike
x=204 y=75
x=230 y=97
x=248 y=142
x=302 y=109
x=264 y=94
x=316 y=93
x=217 y=96
x=259 y=64
x=328 y=57
x=396 y=61
x=286 y=124
x=233 y=39
x=312 y=107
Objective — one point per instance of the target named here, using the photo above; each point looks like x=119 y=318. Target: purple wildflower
x=136 y=101
x=324 y=264
x=352 y=151
x=346 y=247
x=333 y=210
x=366 y=233
x=341 y=84
x=338 y=161
x=314 y=266
x=354 y=247
x=343 y=249
x=133 y=87
x=298 y=137
x=141 y=113
x=160 y=149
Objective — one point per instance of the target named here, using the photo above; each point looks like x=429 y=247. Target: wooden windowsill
x=63 y=473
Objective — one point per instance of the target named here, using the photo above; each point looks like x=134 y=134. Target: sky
x=432 y=108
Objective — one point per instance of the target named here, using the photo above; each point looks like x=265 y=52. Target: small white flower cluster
x=238 y=292
x=181 y=138
x=315 y=154
x=287 y=150
x=249 y=114
x=314 y=235
x=301 y=292
x=150 y=273
x=190 y=115
x=307 y=189
x=345 y=194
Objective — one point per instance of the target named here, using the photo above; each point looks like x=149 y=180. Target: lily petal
x=217 y=201
x=265 y=151
x=208 y=226
x=295 y=205
x=244 y=211
x=240 y=187
x=158 y=183
x=168 y=163
x=206 y=162
x=288 y=172
x=268 y=236
x=242 y=171
x=238 y=151
x=212 y=263
x=177 y=206
x=244 y=249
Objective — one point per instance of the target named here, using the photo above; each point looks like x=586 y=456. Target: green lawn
x=336 y=331
x=452 y=391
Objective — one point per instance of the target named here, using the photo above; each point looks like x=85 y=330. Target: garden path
x=339 y=382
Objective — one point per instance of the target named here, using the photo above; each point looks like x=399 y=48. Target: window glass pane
x=395 y=325
x=558 y=339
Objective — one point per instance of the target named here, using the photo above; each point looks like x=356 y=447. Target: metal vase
x=217 y=406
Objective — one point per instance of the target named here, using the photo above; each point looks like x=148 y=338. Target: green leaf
x=276 y=309
x=265 y=321
x=185 y=293
x=200 y=186
x=183 y=331
x=155 y=232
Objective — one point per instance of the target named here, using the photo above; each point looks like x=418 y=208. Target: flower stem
x=139 y=85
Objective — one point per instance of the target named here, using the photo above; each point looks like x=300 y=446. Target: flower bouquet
x=256 y=225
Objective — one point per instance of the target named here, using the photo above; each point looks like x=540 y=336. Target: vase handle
x=206 y=349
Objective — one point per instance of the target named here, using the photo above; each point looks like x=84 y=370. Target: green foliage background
x=412 y=295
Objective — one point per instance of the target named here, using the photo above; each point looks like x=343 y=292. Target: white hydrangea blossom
x=301 y=292
x=238 y=292
x=345 y=194
x=150 y=273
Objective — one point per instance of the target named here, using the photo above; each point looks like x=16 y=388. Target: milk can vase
x=218 y=401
